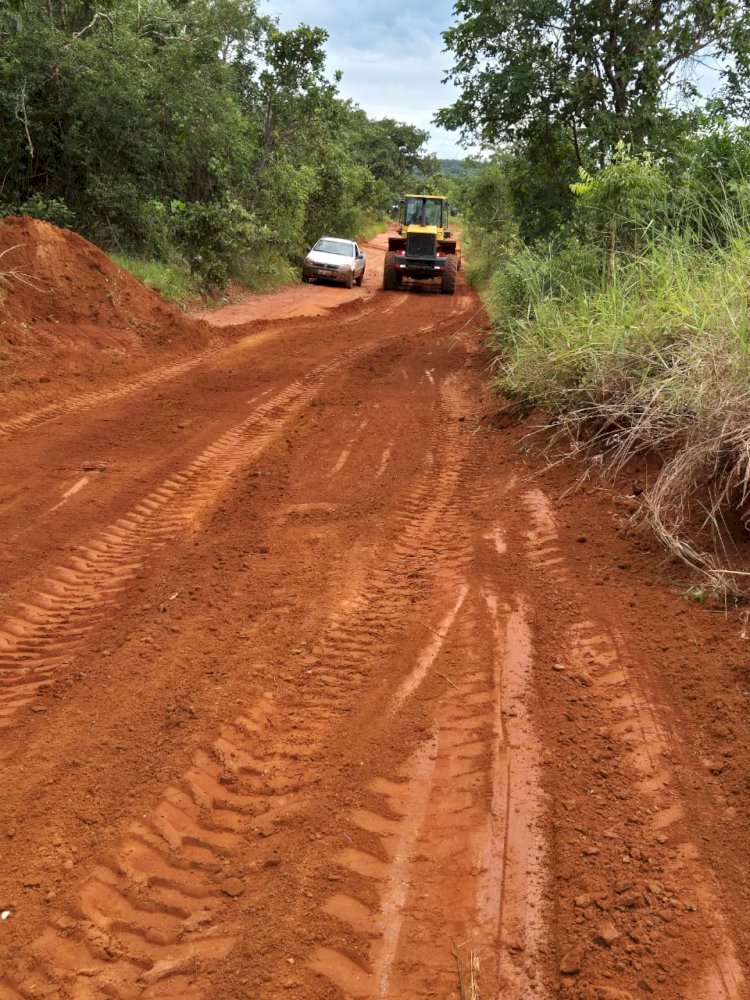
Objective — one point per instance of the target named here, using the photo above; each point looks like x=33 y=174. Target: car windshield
x=333 y=246
x=423 y=212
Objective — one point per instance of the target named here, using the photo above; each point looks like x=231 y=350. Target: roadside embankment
x=639 y=364
x=72 y=321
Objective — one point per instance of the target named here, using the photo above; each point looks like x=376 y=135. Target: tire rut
x=594 y=658
x=450 y=844
x=43 y=634
x=148 y=923
x=88 y=400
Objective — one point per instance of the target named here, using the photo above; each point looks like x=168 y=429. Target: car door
x=359 y=261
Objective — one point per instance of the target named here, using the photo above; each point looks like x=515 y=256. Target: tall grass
x=651 y=355
x=173 y=281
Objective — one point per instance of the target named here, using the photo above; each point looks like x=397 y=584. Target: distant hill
x=458 y=168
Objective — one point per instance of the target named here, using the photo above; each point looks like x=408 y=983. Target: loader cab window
x=423 y=212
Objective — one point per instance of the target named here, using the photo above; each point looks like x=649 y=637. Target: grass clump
x=177 y=282
x=655 y=360
x=468 y=977
x=261 y=273
x=173 y=281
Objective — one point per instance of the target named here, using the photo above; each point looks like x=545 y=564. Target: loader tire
x=448 y=285
x=390 y=272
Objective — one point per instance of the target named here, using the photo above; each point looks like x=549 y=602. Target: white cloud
x=392 y=61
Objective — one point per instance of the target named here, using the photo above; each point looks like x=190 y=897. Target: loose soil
x=312 y=680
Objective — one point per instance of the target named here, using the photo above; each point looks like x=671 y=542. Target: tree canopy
x=597 y=71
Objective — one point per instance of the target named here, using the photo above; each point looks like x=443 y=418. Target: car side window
x=356 y=250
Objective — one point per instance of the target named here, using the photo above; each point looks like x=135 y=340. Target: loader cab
x=423 y=211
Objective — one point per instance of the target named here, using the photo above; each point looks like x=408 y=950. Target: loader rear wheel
x=390 y=272
x=448 y=285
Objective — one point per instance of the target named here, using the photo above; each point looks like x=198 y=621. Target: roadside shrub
x=656 y=360
x=215 y=237
x=173 y=281
x=521 y=278
x=618 y=207
x=486 y=252
x=114 y=215
x=48 y=209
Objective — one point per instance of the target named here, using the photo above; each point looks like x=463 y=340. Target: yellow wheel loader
x=424 y=248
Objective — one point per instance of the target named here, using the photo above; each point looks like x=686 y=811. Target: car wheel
x=360 y=279
x=349 y=279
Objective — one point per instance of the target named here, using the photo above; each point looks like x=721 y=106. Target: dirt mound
x=51 y=276
x=69 y=312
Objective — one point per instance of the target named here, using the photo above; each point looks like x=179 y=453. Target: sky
x=390 y=54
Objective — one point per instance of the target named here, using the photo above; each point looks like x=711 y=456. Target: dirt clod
x=606 y=934
x=572 y=962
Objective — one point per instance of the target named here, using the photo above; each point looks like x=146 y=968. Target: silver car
x=335 y=260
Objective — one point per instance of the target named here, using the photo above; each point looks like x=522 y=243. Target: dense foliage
x=630 y=330
x=597 y=73
x=192 y=130
x=559 y=84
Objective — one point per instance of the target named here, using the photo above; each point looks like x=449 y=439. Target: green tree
x=619 y=205
x=598 y=71
x=390 y=150
x=109 y=110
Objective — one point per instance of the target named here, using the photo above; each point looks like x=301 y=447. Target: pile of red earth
x=67 y=312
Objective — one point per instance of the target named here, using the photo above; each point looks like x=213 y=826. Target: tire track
x=414 y=849
x=166 y=373
x=385 y=459
x=449 y=845
x=427 y=546
x=598 y=661
x=149 y=922
x=512 y=899
x=43 y=635
x=346 y=451
x=74 y=404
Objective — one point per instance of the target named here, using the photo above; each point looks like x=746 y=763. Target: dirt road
x=309 y=686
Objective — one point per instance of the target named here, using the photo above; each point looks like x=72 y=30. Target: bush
x=173 y=281
x=524 y=277
x=216 y=238
x=48 y=209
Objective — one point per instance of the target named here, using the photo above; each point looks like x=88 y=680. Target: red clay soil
x=68 y=313
x=313 y=685
x=54 y=276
